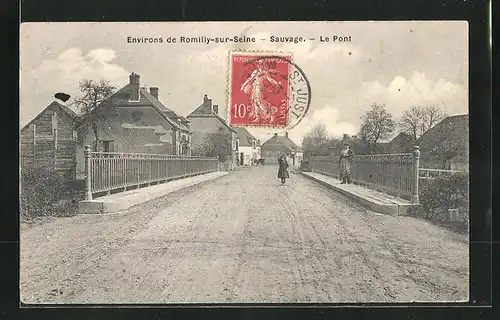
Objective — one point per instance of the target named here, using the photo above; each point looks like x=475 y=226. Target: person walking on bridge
x=346 y=156
x=283 y=168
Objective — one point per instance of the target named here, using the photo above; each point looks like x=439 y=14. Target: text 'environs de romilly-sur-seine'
x=237 y=39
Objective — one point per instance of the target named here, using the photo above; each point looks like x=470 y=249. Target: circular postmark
x=293 y=89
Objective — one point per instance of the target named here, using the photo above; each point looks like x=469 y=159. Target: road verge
x=374 y=200
x=124 y=200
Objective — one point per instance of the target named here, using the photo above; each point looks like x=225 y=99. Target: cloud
x=71 y=65
x=63 y=74
x=402 y=93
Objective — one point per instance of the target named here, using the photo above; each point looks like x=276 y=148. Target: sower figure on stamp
x=346 y=156
x=255 y=86
x=283 y=168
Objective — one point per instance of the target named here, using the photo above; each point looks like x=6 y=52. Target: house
x=135 y=121
x=402 y=143
x=446 y=145
x=248 y=146
x=51 y=139
x=277 y=145
x=212 y=135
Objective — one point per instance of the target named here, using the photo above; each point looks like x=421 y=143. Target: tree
x=432 y=115
x=318 y=142
x=412 y=122
x=216 y=144
x=417 y=120
x=94 y=106
x=377 y=124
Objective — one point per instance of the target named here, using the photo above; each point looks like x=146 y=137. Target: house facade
x=276 y=145
x=446 y=145
x=50 y=139
x=212 y=135
x=248 y=147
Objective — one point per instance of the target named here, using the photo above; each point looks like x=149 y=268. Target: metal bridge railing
x=395 y=174
x=108 y=171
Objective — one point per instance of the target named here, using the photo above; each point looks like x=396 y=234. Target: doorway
x=242 y=158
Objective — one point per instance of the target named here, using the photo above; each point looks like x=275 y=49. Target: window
x=75 y=135
x=107 y=146
x=254 y=144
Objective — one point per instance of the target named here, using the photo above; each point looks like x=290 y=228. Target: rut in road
x=244 y=238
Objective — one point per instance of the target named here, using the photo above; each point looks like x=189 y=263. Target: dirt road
x=243 y=238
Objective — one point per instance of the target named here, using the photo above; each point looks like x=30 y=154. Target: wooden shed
x=50 y=140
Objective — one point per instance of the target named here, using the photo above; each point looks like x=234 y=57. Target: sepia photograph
x=244 y=162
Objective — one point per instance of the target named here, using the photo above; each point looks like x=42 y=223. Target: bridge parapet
x=395 y=174
x=108 y=171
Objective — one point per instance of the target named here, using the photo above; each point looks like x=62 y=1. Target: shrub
x=443 y=193
x=42 y=190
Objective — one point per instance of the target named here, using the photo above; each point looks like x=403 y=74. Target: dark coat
x=283 y=169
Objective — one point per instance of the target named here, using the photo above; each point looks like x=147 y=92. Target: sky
x=399 y=64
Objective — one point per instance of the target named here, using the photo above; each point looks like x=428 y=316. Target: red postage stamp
x=259 y=90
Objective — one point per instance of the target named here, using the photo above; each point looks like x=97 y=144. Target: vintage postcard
x=244 y=162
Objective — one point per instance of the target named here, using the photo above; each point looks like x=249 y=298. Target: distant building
x=402 y=143
x=206 y=125
x=248 y=146
x=446 y=145
x=277 y=145
x=51 y=139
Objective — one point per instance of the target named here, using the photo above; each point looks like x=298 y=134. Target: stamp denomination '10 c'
x=259 y=90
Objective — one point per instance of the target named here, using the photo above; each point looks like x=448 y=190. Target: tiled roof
x=168 y=112
x=278 y=141
x=72 y=113
x=245 y=138
x=453 y=130
x=198 y=113
x=121 y=97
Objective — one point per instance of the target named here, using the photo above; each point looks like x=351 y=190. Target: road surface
x=243 y=238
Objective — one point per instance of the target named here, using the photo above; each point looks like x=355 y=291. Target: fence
x=425 y=173
x=108 y=171
x=395 y=174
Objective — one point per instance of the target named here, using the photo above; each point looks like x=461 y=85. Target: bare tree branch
x=93 y=104
x=376 y=124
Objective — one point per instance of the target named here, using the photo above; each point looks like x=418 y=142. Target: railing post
x=88 y=191
x=416 y=165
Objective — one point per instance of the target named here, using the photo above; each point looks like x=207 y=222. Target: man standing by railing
x=346 y=156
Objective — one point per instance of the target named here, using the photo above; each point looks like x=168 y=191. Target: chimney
x=215 y=109
x=286 y=134
x=135 y=84
x=207 y=103
x=154 y=92
x=275 y=134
